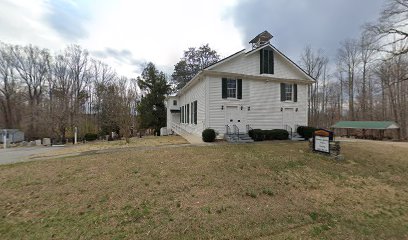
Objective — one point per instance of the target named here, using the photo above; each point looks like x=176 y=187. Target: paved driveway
x=21 y=154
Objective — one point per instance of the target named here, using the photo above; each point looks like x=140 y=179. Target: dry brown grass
x=271 y=190
x=147 y=141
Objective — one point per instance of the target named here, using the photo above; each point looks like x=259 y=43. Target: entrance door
x=234 y=116
x=288 y=118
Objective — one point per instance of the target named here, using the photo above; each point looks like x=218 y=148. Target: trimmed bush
x=276 y=134
x=305 y=131
x=90 y=137
x=208 y=135
x=257 y=134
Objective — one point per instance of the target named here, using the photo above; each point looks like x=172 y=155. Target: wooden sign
x=321 y=141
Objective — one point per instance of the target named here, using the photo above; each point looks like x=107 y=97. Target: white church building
x=260 y=88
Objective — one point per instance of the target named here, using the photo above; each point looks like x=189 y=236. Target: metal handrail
x=236 y=129
x=289 y=129
x=228 y=129
x=296 y=127
x=248 y=128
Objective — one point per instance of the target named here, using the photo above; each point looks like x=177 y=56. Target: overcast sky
x=128 y=33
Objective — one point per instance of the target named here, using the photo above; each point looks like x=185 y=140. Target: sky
x=127 y=34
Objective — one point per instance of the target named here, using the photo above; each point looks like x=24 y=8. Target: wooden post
x=4 y=138
x=76 y=135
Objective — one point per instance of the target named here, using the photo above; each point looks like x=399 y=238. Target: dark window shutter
x=295 y=92
x=271 y=62
x=282 y=92
x=195 y=112
x=261 y=61
x=192 y=112
x=180 y=114
x=224 y=88
x=188 y=113
x=239 y=86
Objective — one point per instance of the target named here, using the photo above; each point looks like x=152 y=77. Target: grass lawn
x=270 y=190
x=147 y=141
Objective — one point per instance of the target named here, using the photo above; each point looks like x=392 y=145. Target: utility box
x=163 y=131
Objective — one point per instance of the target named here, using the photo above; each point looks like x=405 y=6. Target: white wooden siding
x=197 y=92
x=262 y=97
x=250 y=65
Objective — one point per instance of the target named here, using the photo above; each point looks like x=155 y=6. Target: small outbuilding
x=12 y=135
x=363 y=126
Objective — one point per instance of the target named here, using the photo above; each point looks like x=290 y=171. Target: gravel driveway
x=21 y=154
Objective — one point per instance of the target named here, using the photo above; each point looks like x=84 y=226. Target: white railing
x=184 y=128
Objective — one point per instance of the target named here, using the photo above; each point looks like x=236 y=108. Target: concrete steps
x=296 y=137
x=238 y=138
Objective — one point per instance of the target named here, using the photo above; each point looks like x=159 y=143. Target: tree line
x=368 y=77
x=48 y=95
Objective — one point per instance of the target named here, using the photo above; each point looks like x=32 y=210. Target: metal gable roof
x=381 y=125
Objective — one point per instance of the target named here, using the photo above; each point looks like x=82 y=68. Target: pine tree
x=151 y=109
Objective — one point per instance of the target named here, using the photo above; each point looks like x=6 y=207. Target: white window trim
x=292 y=95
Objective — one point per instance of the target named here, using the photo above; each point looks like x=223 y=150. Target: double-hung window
x=288 y=92
x=231 y=88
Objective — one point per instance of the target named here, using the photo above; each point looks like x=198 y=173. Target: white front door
x=288 y=118
x=235 y=116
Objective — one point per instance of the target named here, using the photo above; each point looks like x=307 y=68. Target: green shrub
x=257 y=134
x=276 y=134
x=208 y=135
x=305 y=131
x=90 y=137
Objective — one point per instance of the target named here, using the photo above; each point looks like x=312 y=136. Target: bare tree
x=367 y=54
x=79 y=73
x=8 y=86
x=391 y=27
x=102 y=75
x=32 y=65
x=348 y=58
x=126 y=98
x=62 y=91
x=314 y=64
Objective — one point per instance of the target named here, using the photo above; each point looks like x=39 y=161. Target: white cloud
x=157 y=31
x=21 y=22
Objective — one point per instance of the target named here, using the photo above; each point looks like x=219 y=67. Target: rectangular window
x=231 y=88
x=174 y=102
x=288 y=92
x=267 y=61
